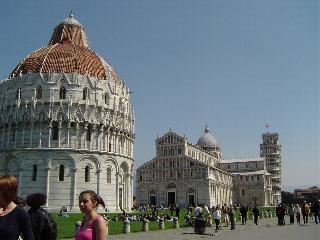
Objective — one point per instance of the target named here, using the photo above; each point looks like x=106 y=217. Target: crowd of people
x=37 y=223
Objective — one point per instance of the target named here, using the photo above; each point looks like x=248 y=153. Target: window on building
x=228 y=166
x=121 y=108
x=179 y=151
x=109 y=175
x=243 y=192
x=87 y=174
x=61 y=172
x=85 y=94
x=39 y=92
x=246 y=165
x=140 y=178
x=62 y=93
x=34 y=172
x=172 y=152
x=258 y=178
x=240 y=178
x=55 y=131
x=106 y=99
x=19 y=94
x=246 y=178
x=252 y=178
x=110 y=147
x=88 y=134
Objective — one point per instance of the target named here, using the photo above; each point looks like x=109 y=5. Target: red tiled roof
x=67 y=52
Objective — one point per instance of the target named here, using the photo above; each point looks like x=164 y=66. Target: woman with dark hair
x=42 y=224
x=93 y=226
x=14 y=221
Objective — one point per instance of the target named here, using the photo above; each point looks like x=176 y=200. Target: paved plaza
x=266 y=230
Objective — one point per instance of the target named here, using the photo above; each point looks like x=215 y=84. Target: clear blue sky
x=235 y=65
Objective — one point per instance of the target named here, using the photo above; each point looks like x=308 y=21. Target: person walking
x=297 y=212
x=225 y=214
x=232 y=218
x=42 y=223
x=243 y=213
x=14 y=221
x=316 y=211
x=256 y=214
x=305 y=210
x=93 y=226
x=177 y=211
x=216 y=218
x=291 y=214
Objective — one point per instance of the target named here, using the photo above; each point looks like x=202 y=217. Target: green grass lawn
x=66 y=225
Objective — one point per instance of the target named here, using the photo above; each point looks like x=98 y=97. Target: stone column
x=49 y=135
x=77 y=135
x=40 y=135
x=59 y=133
x=106 y=140
x=98 y=181
x=68 y=134
x=48 y=183
x=115 y=141
x=85 y=137
x=74 y=191
x=117 y=191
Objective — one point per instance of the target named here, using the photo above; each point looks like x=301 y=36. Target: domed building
x=67 y=123
x=183 y=173
x=208 y=143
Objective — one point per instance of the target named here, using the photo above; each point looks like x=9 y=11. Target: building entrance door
x=191 y=200
x=171 y=198
x=153 y=200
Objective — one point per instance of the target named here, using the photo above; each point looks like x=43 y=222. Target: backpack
x=51 y=227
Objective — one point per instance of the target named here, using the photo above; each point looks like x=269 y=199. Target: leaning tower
x=270 y=149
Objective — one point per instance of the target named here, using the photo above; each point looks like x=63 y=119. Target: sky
x=233 y=65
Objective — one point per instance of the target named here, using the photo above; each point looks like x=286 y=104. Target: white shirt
x=217 y=214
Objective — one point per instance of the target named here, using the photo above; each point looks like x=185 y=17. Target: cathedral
x=186 y=174
x=67 y=123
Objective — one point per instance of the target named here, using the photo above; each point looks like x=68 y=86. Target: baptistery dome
x=67 y=123
x=67 y=52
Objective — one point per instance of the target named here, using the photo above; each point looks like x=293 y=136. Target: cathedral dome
x=207 y=140
x=67 y=52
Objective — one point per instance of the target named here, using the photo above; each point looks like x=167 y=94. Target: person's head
x=8 y=190
x=89 y=200
x=36 y=200
x=20 y=202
